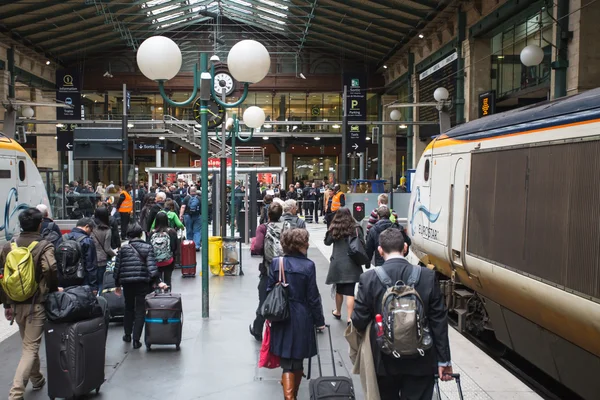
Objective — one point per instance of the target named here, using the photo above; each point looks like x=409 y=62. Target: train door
x=457 y=209
x=438 y=213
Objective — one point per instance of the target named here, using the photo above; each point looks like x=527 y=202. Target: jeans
x=100 y=277
x=193 y=225
x=166 y=272
x=30 y=320
x=135 y=308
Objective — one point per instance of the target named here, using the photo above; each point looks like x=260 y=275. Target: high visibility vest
x=127 y=204
x=336 y=202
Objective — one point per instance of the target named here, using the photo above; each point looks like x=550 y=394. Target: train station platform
x=218 y=357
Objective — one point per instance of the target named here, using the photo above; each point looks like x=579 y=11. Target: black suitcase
x=75 y=355
x=116 y=304
x=164 y=319
x=438 y=395
x=329 y=387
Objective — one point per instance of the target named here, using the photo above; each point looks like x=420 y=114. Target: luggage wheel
x=177 y=347
x=148 y=347
x=98 y=389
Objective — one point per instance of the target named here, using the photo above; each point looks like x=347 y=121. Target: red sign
x=212 y=163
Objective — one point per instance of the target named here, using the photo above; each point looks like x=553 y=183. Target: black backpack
x=69 y=258
x=50 y=235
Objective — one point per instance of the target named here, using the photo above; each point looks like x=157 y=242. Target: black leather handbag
x=276 y=306
x=356 y=250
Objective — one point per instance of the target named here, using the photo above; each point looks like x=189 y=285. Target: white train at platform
x=508 y=208
x=21 y=186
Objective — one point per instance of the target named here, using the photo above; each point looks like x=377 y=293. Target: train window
x=426 y=172
x=4 y=173
x=21 y=170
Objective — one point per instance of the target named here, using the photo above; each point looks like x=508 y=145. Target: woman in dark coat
x=293 y=340
x=343 y=272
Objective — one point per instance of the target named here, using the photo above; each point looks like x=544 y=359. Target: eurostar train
x=508 y=208
x=21 y=186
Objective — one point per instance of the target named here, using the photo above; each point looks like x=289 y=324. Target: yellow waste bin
x=215 y=254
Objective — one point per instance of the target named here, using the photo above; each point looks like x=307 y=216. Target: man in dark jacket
x=30 y=314
x=373 y=236
x=382 y=200
x=290 y=210
x=84 y=228
x=135 y=270
x=414 y=377
x=156 y=208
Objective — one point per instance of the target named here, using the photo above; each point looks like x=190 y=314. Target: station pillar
x=388 y=144
x=47 y=157
x=477 y=70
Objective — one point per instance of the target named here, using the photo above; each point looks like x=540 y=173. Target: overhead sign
x=98 y=144
x=64 y=137
x=68 y=87
x=452 y=57
x=149 y=146
x=356 y=110
x=487 y=103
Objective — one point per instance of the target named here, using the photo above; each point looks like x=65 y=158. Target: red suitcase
x=188 y=258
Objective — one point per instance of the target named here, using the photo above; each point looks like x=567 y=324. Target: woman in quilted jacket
x=136 y=271
x=164 y=243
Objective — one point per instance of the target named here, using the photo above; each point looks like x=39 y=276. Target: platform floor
x=218 y=357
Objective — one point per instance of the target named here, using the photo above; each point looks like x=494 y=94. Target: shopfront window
x=314 y=168
x=508 y=73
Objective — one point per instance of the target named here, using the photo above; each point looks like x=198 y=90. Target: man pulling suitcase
x=23 y=260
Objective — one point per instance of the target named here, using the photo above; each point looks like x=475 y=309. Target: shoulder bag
x=276 y=306
x=356 y=250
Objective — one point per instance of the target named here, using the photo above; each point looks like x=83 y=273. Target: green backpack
x=18 y=280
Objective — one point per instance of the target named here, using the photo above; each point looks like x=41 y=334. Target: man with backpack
x=24 y=295
x=50 y=230
x=76 y=257
x=267 y=243
x=382 y=200
x=403 y=362
x=382 y=224
x=190 y=212
x=289 y=216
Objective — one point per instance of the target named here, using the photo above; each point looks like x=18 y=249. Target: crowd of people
x=283 y=241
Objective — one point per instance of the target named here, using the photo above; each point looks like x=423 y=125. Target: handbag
x=267 y=359
x=356 y=250
x=276 y=306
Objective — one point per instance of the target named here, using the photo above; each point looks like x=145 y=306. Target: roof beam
x=186 y=9
x=36 y=6
x=343 y=13
x=66 y=22
x=380 y=12
x=340 y=50
x=349 y=38
x=16 y=36
x=403 y=8
x=342 y=43
x=159 y=6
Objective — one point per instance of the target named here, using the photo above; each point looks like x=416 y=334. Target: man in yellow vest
x=336 y=200
x=125 y=208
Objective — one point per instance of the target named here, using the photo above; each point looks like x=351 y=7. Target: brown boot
x=298 y=381
x=288 y=381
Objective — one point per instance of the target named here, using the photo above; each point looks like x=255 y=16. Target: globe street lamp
x=159 y=59
x=532 y=55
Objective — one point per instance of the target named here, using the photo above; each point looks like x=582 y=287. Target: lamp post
x=159 y=59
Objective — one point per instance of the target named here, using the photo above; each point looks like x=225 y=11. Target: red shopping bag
x=267 y=359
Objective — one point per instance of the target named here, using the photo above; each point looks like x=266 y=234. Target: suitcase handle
x=319 y=355
x=457 y=378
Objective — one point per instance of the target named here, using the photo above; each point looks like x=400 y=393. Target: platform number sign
x=64 y=137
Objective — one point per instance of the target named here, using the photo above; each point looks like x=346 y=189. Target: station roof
x=70 y=31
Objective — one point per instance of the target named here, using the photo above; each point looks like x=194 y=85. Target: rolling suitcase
x=75 y=354
x=164 y=319
x=116 y=304
x=438 y=395
x=188 y=258
x=329 y=387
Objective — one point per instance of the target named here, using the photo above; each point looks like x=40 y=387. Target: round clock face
x=215 y=114
x=224 y=81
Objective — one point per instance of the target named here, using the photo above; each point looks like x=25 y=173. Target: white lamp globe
x=395 y=115
x=159 y=58
x=27 y=112
x=532 y=55
x=441 y=94
x=254 y=117
x=248 y=61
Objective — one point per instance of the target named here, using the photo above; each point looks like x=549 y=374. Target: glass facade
x=315 y=168
x=508 y=73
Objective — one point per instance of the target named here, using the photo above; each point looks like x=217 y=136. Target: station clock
x=224 y=81
x=215 y=116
